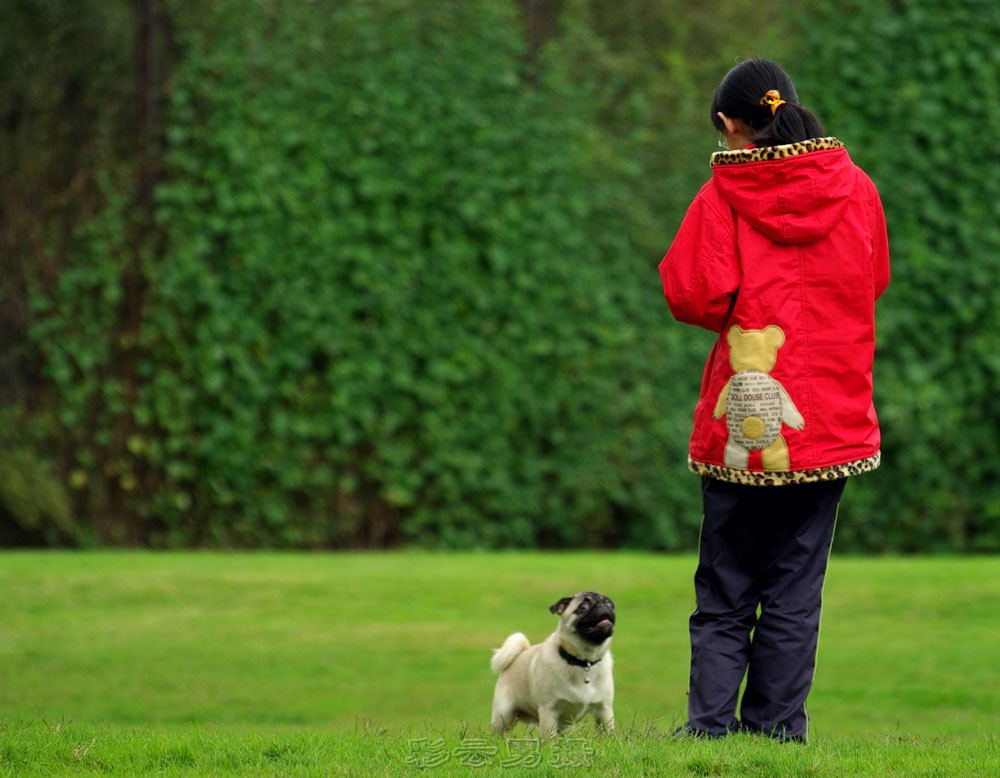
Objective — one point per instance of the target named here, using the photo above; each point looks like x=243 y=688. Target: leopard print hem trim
x=771 y=478
x=767 y=153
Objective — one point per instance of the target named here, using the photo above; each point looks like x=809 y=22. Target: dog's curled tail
x=511 y=649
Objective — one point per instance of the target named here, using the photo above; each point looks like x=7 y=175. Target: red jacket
x=784 y=253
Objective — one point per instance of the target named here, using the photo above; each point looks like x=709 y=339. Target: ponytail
x=791 y=123
x=760 y=94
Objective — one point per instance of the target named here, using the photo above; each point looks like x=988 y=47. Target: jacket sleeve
x=880 y=247
x=700 y=271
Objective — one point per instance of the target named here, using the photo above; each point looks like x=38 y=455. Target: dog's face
x=590 y=615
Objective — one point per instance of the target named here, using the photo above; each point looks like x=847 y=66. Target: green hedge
x=397 y=300
x=401 y=286
x=913 y=88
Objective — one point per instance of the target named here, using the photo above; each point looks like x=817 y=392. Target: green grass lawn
x=358 y=664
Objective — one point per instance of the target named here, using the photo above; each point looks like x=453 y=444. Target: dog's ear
x=560 y=606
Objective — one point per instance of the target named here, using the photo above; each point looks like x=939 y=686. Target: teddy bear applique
x=755 y=404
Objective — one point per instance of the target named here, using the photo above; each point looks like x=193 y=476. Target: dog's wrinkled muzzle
x=598 y=625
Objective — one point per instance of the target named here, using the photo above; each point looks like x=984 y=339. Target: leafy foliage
x=34 y=506
x=912 y=88
x=401 y=283
x=63 y=111
x=396 y=299
x=63 y=129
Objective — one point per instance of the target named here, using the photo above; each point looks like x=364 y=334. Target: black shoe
x=687 y=731
x=775 y=733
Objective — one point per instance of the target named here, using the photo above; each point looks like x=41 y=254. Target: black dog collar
x=577 y=662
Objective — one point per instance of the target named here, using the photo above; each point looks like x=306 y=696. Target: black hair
x=739 y=97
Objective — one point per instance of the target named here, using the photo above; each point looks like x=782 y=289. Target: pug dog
x=555 y=683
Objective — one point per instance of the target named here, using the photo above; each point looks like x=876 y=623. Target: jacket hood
x=791 y=194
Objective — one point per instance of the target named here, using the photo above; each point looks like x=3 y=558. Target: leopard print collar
x=765 y=153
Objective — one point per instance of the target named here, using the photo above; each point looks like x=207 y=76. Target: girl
x=783 y=252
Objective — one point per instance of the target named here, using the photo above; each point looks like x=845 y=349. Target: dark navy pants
x=759 y=585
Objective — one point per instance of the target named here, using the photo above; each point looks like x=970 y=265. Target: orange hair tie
x=773 y=99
